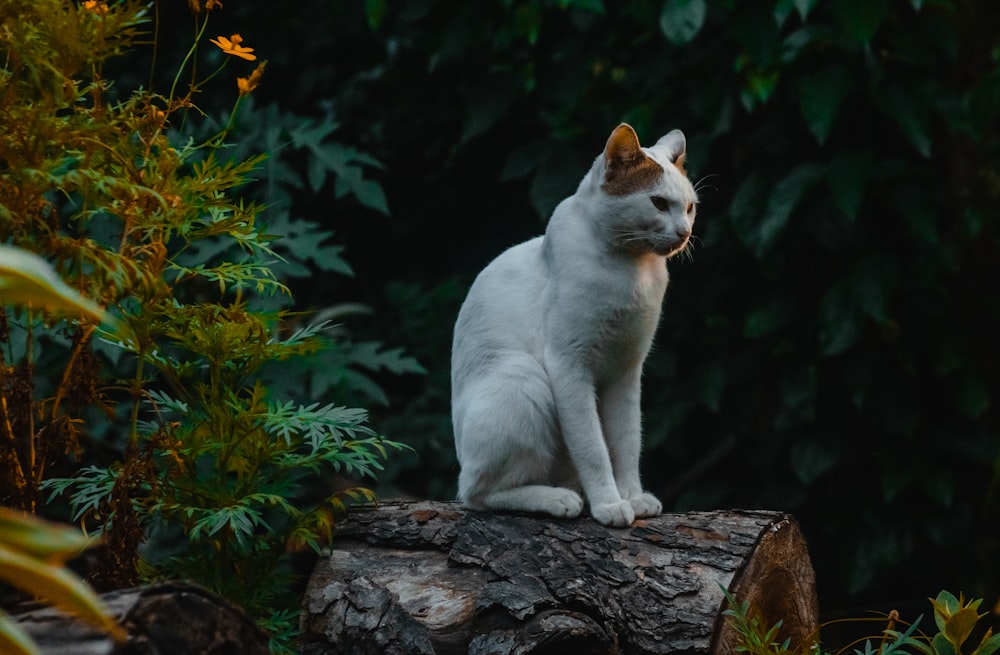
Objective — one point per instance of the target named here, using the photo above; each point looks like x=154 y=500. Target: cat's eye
x=689 y=208
x=660 y=202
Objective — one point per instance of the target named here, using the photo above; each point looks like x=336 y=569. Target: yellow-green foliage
x=27 y=279
x=32 y=551
x=954 y=618
x=92 y=180
x=32 y=556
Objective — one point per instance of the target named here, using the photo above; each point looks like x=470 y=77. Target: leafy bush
x=135 y=204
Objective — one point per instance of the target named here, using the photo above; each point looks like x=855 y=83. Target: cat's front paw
x=615 y=515
x=646 y=505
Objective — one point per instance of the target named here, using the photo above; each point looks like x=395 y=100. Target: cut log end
x=423 y=577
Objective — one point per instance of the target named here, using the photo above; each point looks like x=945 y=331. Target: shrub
x=113 y=189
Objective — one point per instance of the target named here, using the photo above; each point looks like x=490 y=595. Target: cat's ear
x=627 y=169
x=623 y=147
x=676 y=146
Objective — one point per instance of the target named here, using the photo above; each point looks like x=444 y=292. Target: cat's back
x=503 y=308
x=508 y=290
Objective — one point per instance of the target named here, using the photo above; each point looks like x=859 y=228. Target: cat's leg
x=508 y=446
x=576 y=403
x=621 y=416
x=555 y=501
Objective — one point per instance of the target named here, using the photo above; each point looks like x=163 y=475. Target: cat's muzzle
x=660 y=243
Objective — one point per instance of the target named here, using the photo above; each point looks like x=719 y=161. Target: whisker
x=687 y=252
x=702 y=184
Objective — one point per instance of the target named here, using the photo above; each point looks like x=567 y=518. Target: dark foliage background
x=831 y=347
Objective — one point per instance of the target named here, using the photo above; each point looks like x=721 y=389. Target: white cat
x=549 y=344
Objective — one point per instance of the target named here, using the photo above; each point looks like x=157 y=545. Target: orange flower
x=248 y=84
x=195 y=5
x=231 y=46
x=99 y=8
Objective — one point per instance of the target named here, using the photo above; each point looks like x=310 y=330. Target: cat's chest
x=649 y=281
x=625 y=320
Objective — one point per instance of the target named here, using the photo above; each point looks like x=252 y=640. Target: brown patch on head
x=627 y=168
x=679 y=163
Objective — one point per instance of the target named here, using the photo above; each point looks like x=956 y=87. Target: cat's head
x=649 y=203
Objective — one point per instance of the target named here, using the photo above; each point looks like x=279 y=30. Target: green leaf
x=14 y=640
x=346 y=163
x=712 y=381
x=487 y=101
x=811 y=459
x=748 y=201
x=38 y=538
x=93 y=488
x=940 y=487
x=759 y=232
x=841 y=326
x=785 y=196
x=27 y=279
x=594 y=6
x=860 y=19
x=942 y=646
x=801 y=39
x=554 y=179
x=989 y=644
x=873 y=280
x=305 y=241
x=910 y=116
x=368 y=192
x=762 y=321
x=56 y=584
x=681 y=20
x=805 y=7
x=759 y=84
x=162 y=403
x=902 y=641
x=915 y=204
x=782 y=10
x=375 y=11
x=373 y=356
x=820 y=97
x=972 y=395
x=945 y=605
x=523 y=161
x=847 y=176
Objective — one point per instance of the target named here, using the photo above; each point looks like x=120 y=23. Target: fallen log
x=163 y=619
x=434 y=578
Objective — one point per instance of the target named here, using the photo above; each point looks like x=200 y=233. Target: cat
x=550 y=342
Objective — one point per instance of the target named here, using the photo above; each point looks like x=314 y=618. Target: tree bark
x=429 y=577
x=164 y=619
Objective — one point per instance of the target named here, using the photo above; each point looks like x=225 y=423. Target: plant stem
x=190 y=53
x=29 y=357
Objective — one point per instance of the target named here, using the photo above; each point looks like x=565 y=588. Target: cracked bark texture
x=431 y=577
